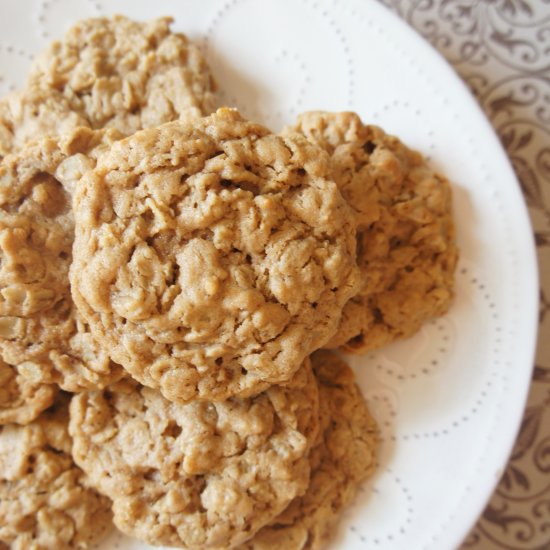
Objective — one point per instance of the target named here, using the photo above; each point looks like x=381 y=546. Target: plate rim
x=529 y=265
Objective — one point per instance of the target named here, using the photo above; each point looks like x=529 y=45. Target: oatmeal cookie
x=200 y=475
x=22 y=400
x=405 y=239
x=45 y=500
x=34 y=113
x=120 y=73
x=344 y=456
x=41 y=332
x=212 y=258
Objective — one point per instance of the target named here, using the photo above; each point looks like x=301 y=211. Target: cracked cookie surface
x=34 y=113
x=128 y=75
x=343 y=456
x=199 y=475
x=211 y=259
x=21 y=399
x=45 y=500
x=405 y=231
x=41 y=332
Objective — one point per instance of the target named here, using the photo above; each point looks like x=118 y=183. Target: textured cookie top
x=344 y=456
x=200 y=475
x=124 y=74
x=212 y=258
x=45 y=501
x=40 y=330
x=21 y=399
x=34 y=113
x=406 y=239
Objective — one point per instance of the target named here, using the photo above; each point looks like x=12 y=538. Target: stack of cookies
x=172 y=280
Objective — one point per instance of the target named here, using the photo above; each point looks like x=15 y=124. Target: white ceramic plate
x=450 y=399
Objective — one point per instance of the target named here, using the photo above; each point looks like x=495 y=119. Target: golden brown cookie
x=343 y=457
x=200 y=475
x=34 y=113
x=22 y=400
x=211 y=259
x=127 y=75
x=45 y=500
x=405 y=239
x=41 y=332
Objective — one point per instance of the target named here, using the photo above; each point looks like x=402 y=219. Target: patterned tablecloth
x=501 y=48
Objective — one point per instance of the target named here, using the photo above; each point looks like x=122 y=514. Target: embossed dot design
x=285 y=80
x=404 y=118
x=375 y=531
x=14 y=62
x=438 y=332
x=53 y=15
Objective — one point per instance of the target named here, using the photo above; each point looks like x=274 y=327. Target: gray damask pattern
x=501 y=48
